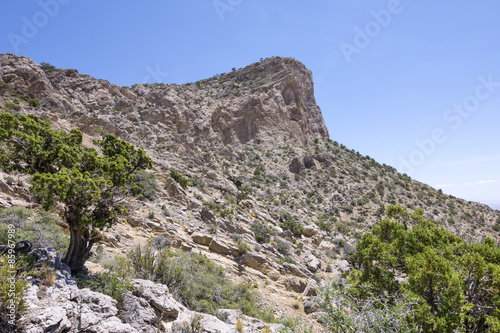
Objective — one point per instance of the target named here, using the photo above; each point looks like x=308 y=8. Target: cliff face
x=267 y=103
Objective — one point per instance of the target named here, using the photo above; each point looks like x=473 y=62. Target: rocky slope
x=269 y=103
x=257 y=156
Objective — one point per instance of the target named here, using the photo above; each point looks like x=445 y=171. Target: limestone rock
x=281 y=109
x=296 y=284
x=223 y=247
x=157 y=295
x=310 y=230
x=296 y=165
x=202 y=238
x=312 y=263
x=207 y=216
x=340 y=266
x=311 y=287
x=295 y=270
x=53 y=319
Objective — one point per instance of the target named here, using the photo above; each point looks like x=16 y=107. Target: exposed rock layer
x=267 y=103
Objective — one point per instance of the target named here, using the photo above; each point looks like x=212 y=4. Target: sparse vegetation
x=181 y=180
x=288 y=223
x=143 y=185
x=196 y=281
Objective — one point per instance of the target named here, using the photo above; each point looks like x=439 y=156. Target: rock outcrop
x=267 y=103
x=148 y=308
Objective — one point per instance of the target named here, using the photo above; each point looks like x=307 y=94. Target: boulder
x=296 y=284
x=310 y=230
x=311 y=287
x=202 y=239
x=223 y=247
x=157 y=295
x=312 y=263
x=207 y=216
x=296 y=165
x=295 y=270
x=175 y=191
x=340 y=266
x=52 y=319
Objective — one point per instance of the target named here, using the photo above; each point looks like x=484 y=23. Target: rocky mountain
x=244 y=172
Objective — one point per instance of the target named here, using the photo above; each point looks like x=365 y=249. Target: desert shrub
x=282 y=247
x=324 y=225
x=108 y=283
x=194 y=325
x=243 y=247
x=181 y=180
x=143 y=185
x=161 y=242
x=195 y=281
x=33 y=102
x=289 y=260
x=262 y=232
x=41 y=230
x=348 y=209
x=374 y=315
x=288 y=223
x=293 y=325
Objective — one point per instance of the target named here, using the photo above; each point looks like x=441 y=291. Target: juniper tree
x=90 y=184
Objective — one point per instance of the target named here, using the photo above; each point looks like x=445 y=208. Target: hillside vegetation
x=245 y=180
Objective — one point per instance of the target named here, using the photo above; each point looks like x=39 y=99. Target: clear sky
x=414 y=84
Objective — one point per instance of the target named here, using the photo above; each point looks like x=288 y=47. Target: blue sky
x=414 y=84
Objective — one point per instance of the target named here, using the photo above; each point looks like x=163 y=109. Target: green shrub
x=33 y=102
x=41 y=230
x=293 y=325
x=143 y=185
x=46 y=67
x=440 y=267
x=282 y=246
x=289 y=260
x=181 y=180
x=243 y=247
x=108 y=283
x=262 y=232
x=288 y=223
x=12 y=288
x=324 y=225
x=11 y=106
x=373 y=315
x=195 y=281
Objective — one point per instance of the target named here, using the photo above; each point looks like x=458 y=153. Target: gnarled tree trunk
x=78 y=250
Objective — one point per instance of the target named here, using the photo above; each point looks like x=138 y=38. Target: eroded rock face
x=147 y=308
x=267 y=103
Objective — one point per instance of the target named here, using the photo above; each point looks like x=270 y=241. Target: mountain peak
x=267 y=103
